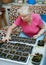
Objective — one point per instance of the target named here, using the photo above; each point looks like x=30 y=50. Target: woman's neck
x=30 y=20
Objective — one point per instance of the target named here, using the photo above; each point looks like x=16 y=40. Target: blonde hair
x=24 y=10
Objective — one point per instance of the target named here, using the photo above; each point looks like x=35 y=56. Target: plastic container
x=37 y=59
x=14 y=56
x=43 y=16
x=41 y=43
x=22 y=39
x=31 y=1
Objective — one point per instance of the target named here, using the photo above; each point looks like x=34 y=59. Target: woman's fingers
x=6 y=39
x=35 y=36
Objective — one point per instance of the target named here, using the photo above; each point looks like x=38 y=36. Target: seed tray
x=17 y=47
x=41 y=43
x=20 y=53
x=22 y=39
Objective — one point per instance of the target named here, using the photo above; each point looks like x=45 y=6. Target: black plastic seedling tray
x=22 y=39
x=15 y=51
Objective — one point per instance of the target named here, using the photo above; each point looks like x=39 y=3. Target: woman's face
x=25 y=17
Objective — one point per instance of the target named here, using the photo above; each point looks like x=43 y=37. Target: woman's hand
x=6 y=39
x=35 y=36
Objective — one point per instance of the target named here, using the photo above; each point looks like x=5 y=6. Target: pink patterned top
x=33 y=28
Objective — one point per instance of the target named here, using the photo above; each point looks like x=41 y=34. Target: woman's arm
x=40 y=24
x=40 y=32
x=10 y=30
x=16 y=23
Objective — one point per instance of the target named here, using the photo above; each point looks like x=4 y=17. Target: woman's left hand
x=35 y=36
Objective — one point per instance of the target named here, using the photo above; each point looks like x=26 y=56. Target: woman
x=31 y=23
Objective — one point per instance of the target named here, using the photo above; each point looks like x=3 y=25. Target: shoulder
x=35 y=15
x=19 y=17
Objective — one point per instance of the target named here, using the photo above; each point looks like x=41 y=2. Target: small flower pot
x=9 y=56
x=41 y=43
x=25 y=54
x=4 y=45
x=15 y=57
x=15 y=47
x=1 y=51
x=18 y=53
x=20 y=49
x=37 y=59
x=9 y=46
x=3 y=55
x=23 y=59
x=12 y=52
x=6 y=51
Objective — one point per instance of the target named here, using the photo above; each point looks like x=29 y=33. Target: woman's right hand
x=6 y=39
